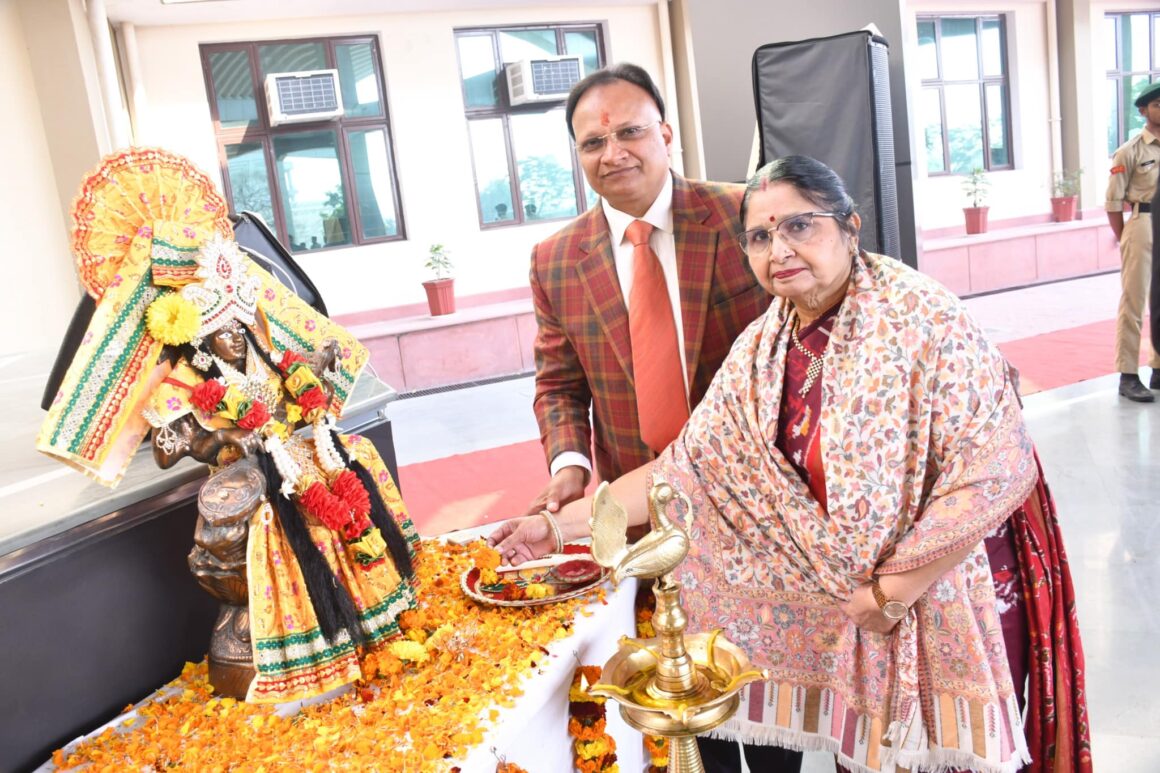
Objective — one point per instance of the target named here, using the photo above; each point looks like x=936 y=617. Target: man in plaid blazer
x=583 y=350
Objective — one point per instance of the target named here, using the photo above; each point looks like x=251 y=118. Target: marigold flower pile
x=437 y=689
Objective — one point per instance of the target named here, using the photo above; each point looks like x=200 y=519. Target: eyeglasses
x=798 y=229
x=625 y=136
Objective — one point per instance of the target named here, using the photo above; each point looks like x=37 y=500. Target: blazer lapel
x=597 y=270
x=696 y=246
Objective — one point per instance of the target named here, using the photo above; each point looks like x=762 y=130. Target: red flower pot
x=976 y=219
x=440 y=296
x=1063 y=208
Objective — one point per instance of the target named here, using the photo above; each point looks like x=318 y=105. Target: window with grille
x=1132 y=47
x=319 y=184
x=525 y=166
x=965 y=102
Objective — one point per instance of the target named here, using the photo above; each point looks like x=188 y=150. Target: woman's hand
x=863 y=610
x=523 y=539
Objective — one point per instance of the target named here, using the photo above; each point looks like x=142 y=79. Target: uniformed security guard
x=1135 y=170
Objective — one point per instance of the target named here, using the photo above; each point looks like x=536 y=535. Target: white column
x=133 y=86
x=98 y=20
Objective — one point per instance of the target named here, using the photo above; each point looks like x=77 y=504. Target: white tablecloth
x=534 y=733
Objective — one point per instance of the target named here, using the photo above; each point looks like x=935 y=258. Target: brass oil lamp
x=674 y=685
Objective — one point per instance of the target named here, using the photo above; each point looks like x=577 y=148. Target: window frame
x=504 y=110
x=1003 y=80
x=263 y=133
x=1119 y=74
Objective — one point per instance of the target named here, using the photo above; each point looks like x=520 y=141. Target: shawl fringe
x=938 y=760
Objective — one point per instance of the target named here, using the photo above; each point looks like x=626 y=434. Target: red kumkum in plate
x=570 y=579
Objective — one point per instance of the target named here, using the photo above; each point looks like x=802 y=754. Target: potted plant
x=441 y=289
x=976 y=186
x=1064 y=190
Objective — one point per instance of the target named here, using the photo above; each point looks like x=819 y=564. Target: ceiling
x=154 y=13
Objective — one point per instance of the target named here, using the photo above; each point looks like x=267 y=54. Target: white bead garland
x=328 y=458
x=286 y=465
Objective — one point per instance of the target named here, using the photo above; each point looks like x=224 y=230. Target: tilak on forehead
x=604 y=119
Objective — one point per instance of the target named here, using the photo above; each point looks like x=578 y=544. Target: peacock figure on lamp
x=672 y=685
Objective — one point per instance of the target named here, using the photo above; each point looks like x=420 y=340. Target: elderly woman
x=856 y=449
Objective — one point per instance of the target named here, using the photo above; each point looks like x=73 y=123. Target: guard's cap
x=1147 y=94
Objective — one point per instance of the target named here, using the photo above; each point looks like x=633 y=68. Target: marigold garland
x=413 y=716
x=594 y=750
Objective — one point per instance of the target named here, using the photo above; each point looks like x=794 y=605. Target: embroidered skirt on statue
x=292 y=657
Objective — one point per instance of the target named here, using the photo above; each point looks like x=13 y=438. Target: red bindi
x=604 y=119
x=772 y=219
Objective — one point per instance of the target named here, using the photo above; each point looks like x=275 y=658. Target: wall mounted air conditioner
x=298 y=97
x=543 y=79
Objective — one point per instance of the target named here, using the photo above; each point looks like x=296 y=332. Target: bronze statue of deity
x=224 y=363
x=226 y=502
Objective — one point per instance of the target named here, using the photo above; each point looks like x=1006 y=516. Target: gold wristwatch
x=892 y=609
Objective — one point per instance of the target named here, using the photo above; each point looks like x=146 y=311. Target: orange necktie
x=656 y=355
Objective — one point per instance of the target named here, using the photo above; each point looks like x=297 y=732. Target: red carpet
x=471 y=489
x=1066 y=356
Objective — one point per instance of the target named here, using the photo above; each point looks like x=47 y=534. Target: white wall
x=40 y=289
x=432 y=155
x=1026 y=189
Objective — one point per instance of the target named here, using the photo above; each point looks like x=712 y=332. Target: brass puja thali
x=554 y=578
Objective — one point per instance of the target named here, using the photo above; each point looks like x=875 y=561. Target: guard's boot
x=1132 y=388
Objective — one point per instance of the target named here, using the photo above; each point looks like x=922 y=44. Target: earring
x=201 y=360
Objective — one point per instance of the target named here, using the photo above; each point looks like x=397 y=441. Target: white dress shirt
x=663 y=243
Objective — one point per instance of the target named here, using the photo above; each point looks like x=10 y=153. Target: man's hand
x=1116 y=221
x=523 y=539
x=863 y=610
x=567 y=485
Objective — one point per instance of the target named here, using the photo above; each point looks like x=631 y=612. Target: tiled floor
x=1102 y=460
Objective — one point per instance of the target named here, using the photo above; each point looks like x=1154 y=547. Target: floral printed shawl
x=925 y=453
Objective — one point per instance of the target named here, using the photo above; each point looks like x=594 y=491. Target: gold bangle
x=555 y=530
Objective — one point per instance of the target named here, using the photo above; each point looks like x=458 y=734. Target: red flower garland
x=311 y=399
x=208 y=394
x=345 y=507
x=325 y=506
x=256 y=417
x=352 y=491
x=289 y=357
